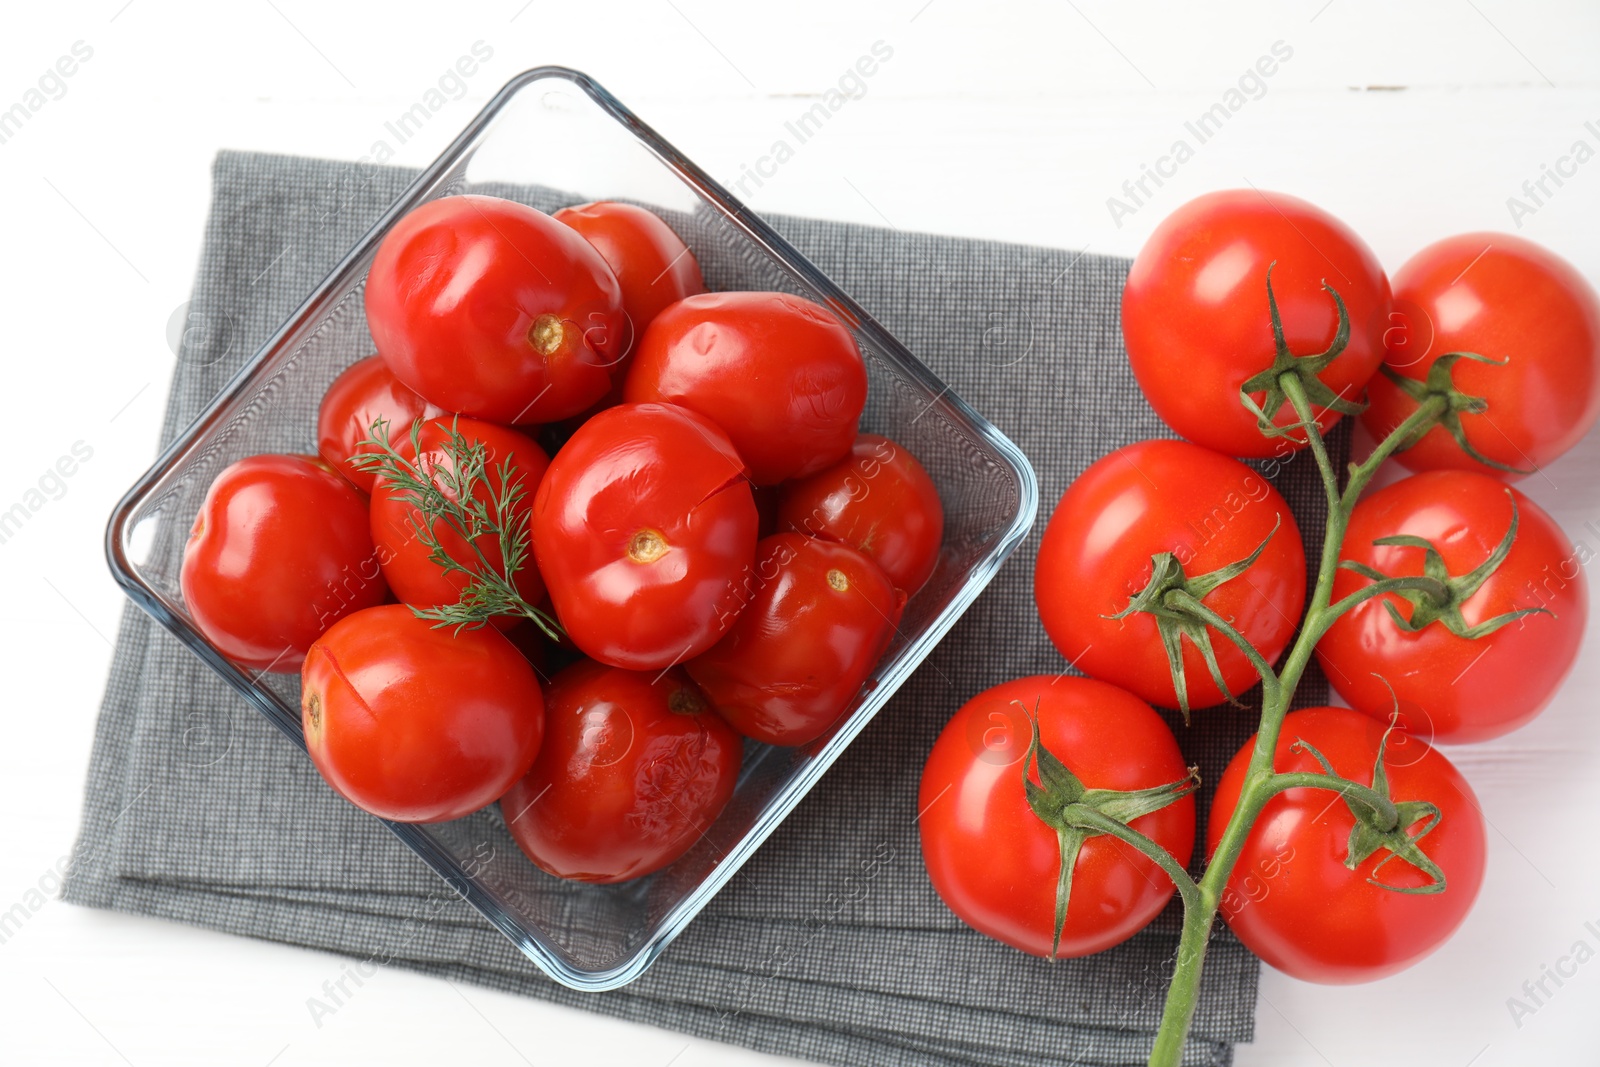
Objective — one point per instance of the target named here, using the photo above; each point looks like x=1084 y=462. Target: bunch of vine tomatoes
x=1058 y=811
x=573 y=534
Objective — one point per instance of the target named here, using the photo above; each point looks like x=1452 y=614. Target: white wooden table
x=1015 y=123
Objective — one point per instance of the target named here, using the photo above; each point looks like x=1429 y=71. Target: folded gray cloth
x=197 y=810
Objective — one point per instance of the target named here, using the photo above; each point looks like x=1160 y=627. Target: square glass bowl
x=585 y=936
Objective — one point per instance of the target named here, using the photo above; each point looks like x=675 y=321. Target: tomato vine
x=1381 y=823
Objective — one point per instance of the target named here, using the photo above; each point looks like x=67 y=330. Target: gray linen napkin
x=196 y=810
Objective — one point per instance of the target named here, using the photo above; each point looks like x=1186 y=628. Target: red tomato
x=994 y=862
x=879 y=500
x=1195 y=315
x=416 y=578
x=1208 y=511
x=642 y=528
x=652 y=264
x=1291 y=899
x=780 y=374
x=365 y=392
x=1509 y=299
x=418 y=724
x=1452 y=688
x=634 y=768
x=816 y=617
x=490 y=308
x=278 y=553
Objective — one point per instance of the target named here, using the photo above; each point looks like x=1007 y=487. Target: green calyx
x=1385 y=824
x=1452 y=402
x=1442 y=600
x=1306 y=368
x=1173 y=598
x=1076 y=813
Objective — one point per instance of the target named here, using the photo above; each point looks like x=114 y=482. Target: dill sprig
x=448 y=495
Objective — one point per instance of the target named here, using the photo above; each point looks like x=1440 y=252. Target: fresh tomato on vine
x=419 y=723
x=278 y=553
x=1481 y=653
x=634 y=767
x=997 y=864
x=1327 y=913
x=1159 y=516
x=781 y=375
x=489 y=308
x=1516 y=304
x=1196 y=324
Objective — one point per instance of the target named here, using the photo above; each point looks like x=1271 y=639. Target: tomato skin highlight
x=365 y=391
x=1207 y=509
x=816 y=618
x=992 y=860
x=1196 y=322
x=652 y=264
x=635 y=765
x=643 y=527
x=879 y=500
x=414 y=577
x=780 y=374
x=492 y=309
x=1305 y=913
x=418 y=724
x=278 y=553
x=1509 y=299
x=1456 y=689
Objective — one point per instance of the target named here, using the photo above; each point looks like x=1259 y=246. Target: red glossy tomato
x=278 y=553
x=492 y=309
x=1196 y=322
x=1453 y=688
x=634 y=767
x=418 y=724
x=1509 y=299
x=780 y=374
x=816 y=617
x=1292 y=900
x=995 y=863
x=879 y=500
x=642 y=528
x=652 y=264
x=412 y=574
x=1205 y=509
x=365 y=392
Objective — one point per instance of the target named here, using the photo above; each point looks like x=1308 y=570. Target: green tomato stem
x=1097 y=820
x=1262 y=782
x=1269 y=678
x=1421 y=583
x=1425 y=417
x=1383 y=806
x=1184 y=992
